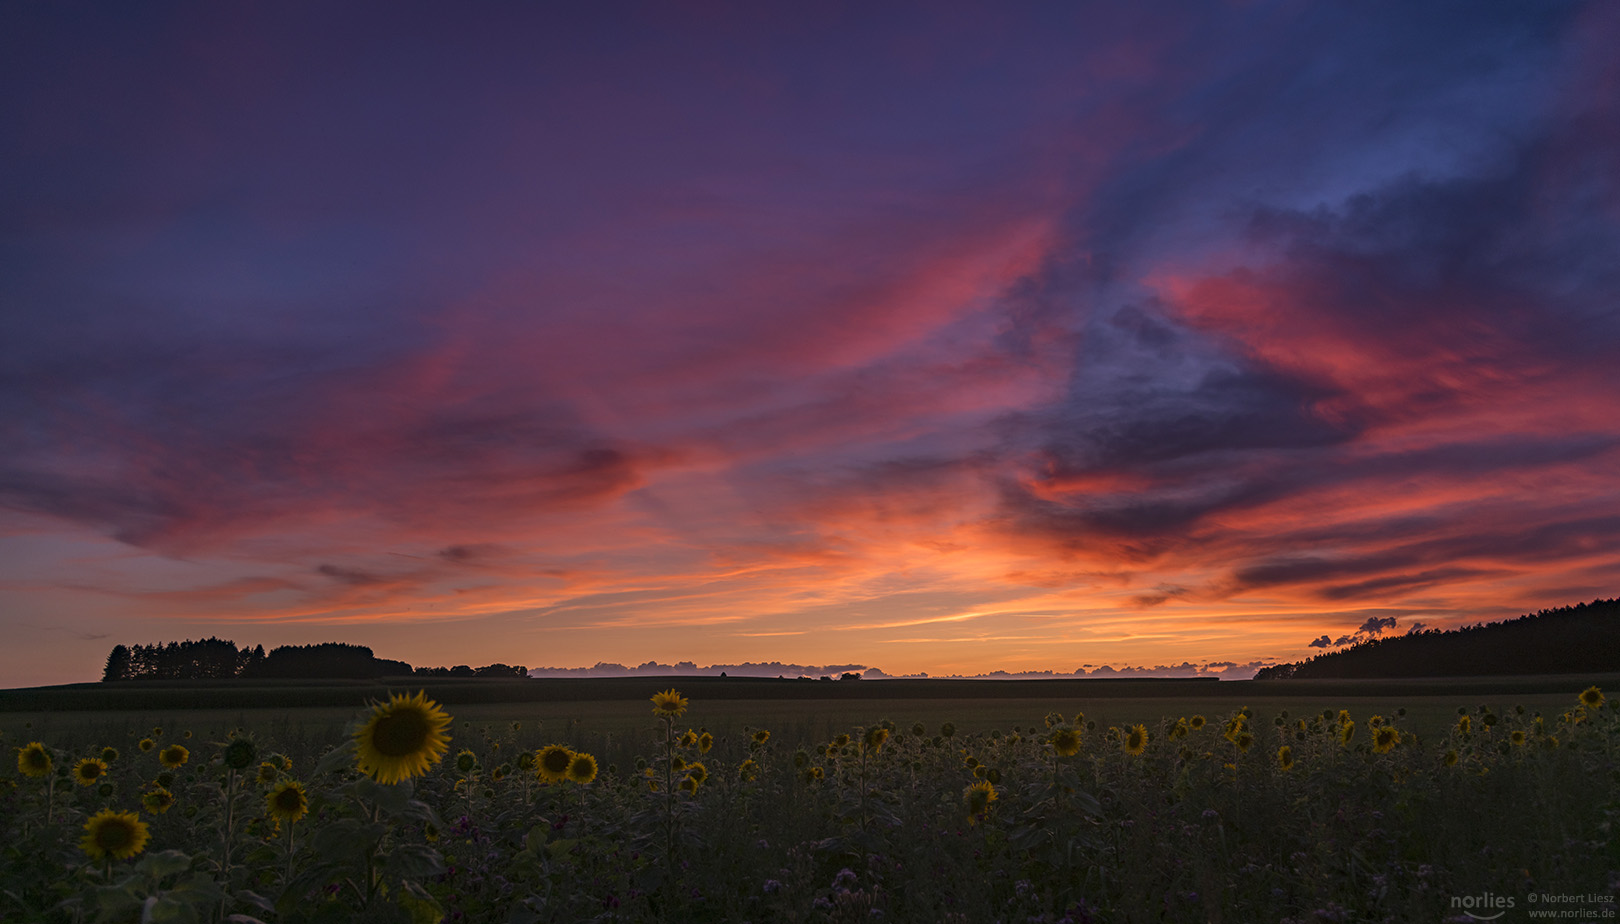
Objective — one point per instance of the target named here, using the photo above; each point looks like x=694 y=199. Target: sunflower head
x=268 y=773
x=109 y=754
x=1385 y=738
x=760 y=737
x=1243 y=740
x=977 y=798
x=287 y=802
x=948 y=730
x=1347 y=731
x=1196 y=722
x=402 y=738
x=1285 y=758
x=747 y=770
x=34 y=760
x=552 y=762
x=875 y=737
x=690 y=739
x=146 y=744
x=1450 y=759
x=1465 y=725
x=157 y=800
x=240 y=753
x=698 y=772
x=1065 y=740
x=1136 y=740
x=668 y=703
x=115 y=835
x=466 y=762
x=705 y=741
x=1054 y=719
x=1517 y=737
x=688 y=786
x=89 y=771
x=1591 y=697
x=582 y=769
x=174 y=756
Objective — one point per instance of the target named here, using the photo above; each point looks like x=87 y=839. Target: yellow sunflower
x=668 y=703
x=552 y=763
x=1465 y=725
x=690 y=739
x=1517 y=737
x=1196 y=722
x=109 y=754
x=174 y=756
x=1347 y=731
x=697 y=772
x=157 y=800
x=875 y=736
x=466 y=762
x=1136 y=740
x=582 y=769
x=747 y=770
x=287 y=801
x=1450 y=759
x=1243 y=740
x=1285 y=758
x=977 y=798
x=1591 y=697
x=88 y=771
x=119 y=835
x=688 y=786
x=268 y=773
x=34 y=760
x=146 y=744
x=761 y=736
x=1065 y=740
x=1385 y=739
x=705 y=741
x=402 y=738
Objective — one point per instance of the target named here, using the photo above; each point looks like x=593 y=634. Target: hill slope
x=1584 y=638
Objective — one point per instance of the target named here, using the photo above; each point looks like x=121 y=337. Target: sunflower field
x=1243 y=817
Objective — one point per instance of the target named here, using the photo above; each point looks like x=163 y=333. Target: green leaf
x=338 y=758
x=163 y=863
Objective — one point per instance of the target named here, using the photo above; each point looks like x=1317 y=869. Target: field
x=837 y=801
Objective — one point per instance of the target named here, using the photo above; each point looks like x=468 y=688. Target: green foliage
x=1203 y=824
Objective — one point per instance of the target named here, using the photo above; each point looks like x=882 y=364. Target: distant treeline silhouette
x=1584 y=638
x=214 y=658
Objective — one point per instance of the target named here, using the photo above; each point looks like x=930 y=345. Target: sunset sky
x=937 y=338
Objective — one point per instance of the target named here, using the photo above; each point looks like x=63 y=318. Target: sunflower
x=109 y=754
x=466 y=762
x=1065 y=740
x=1385 y=739
x=801 y=759
x=668 y=703
x=1196 y=722
x=287 y=801
x=1243 y=740
x=34 y=760
x=1053 y=719
x=1517 y=736
x=690 y=739
x=1136 y=740
x=760 y=737
x=1591 y=697
x=948 y=730
x=875 y=736
x=525 y=761
x=118 y=835
x=268 y=773
x=697 y=772
x=240 y=753
x=688 y=786
x=146 y=744
x=89 y=770
x=500 y=772
x=1450 y=759
x=841 y=741
x=552 y=762
x=747 y=770
x=402 y=738
x=174 y=756
x=1347 y=731
x=157 y=800
x=1285 y=758
x=705 y=741
x=977 y=799
x=582 y=769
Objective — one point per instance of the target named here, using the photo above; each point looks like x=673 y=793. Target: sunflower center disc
x=113 y=837
x=401 y=733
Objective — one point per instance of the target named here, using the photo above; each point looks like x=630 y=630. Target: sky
x=944 y=338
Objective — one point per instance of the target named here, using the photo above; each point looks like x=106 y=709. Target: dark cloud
x=1375 y=625
x=1322 y=642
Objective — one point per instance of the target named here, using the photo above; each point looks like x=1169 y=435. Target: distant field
x=611 y=716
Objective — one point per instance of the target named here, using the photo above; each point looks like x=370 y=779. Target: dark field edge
x=260 y=694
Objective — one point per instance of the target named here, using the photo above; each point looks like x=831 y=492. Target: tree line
x=215 y=659
x=1584 y=638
